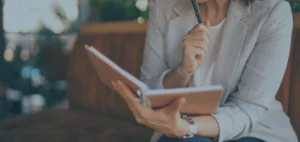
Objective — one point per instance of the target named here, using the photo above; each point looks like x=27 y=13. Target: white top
x=203 y=75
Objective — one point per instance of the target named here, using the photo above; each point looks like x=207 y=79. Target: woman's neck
x=214 y=10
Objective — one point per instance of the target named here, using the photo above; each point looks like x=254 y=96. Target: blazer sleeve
x=261 y=77
x=154 y=66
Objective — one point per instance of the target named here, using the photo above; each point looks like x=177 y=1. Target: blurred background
x=36 y=40
x=48 y=88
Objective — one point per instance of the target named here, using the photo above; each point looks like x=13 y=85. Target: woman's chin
x=202 y=1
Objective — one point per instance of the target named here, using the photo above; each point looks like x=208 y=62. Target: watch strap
x=193 y=129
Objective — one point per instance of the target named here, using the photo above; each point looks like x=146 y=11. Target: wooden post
x=2 y=39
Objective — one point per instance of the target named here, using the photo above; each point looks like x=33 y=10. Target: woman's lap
x=248 y=140
x=204 y=139
x=194 y=139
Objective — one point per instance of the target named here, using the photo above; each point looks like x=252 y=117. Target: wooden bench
x=71 y=126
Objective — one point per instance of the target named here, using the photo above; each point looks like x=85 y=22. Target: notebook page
x=183 y=90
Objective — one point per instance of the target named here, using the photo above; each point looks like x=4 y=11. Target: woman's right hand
x=195 y=48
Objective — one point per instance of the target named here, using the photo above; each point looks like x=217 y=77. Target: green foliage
x=120 y=3
x=295 y=4
x=46 y=38
x=115 y=10
x=296 y=7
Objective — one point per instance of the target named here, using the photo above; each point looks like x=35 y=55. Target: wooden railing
x=294 y=84
x=123 y=42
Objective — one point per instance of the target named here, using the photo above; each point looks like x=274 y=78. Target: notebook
x=199 y=101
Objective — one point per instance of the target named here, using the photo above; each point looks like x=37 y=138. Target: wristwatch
x=193 y=129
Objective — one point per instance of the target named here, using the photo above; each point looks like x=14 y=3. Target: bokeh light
x=141 y=20
x=9 y=55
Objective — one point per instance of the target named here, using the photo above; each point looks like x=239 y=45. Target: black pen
x=197 y=11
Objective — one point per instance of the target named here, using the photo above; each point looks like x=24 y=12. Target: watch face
x=193 y=129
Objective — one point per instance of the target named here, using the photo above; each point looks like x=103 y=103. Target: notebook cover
x=108 y=71
x=199 y=101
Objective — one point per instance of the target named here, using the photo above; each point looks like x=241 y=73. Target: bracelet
x=193 y=129
x=188 y=119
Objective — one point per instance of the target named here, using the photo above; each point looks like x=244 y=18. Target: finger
x=195 y=28
x=119 y=90
x=207 y=24
x=201 y=47
x=123 y=95
x=175 y=105
x=197 y=44
x=132 y=102
x=136 y=102
x=125 y=92
x=140 y=112
x=198 y=54
x=201 y=28
x=129 y=103
x=144 y=115
x=137 y=115
x=197 y=36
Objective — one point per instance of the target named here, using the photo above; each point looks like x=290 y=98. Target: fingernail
x=119 y=82
x=113 y=83
x=183 y=100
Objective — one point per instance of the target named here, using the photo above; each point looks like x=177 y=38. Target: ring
x=145 y=101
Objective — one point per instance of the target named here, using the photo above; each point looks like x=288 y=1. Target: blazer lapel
x=184 y=20
x=230 y=47
x=181 y=6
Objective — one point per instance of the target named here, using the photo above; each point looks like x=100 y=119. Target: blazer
x=250 y=65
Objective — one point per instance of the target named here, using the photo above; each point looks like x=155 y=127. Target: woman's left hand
x=166 y=120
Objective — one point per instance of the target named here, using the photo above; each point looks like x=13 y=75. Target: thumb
x=176 y=105
x=207 y=24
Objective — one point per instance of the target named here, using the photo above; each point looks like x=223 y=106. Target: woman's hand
x=166 y=120
x=195 y=48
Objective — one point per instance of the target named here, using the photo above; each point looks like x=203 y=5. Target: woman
x=243 y=47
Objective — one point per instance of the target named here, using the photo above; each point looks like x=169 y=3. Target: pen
x=197 y=11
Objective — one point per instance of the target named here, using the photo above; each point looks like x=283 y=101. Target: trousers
x=204 y=139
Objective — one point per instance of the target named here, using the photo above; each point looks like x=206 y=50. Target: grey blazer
x=251 y=63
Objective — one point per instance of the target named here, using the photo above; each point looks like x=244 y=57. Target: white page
x=183 y=90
